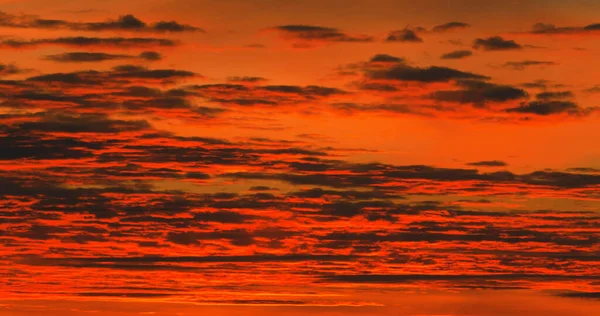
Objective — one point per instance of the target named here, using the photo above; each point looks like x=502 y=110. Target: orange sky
x=299 y=157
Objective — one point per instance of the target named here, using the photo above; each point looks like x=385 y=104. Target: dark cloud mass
x=126 y=22
x=450 y=26
x=521 y=65
x=457 y=54
x=385 y=58
x=405 y=35
x=551 y=29
x=79 y=57
x=488 y=163
x=147 y=167
x=429 y=74
x=318 y=33
x=81 y=41
x=495 y=43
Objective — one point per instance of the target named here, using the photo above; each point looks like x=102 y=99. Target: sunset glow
x=263 y=157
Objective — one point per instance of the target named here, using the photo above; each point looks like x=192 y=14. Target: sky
x=262 y=157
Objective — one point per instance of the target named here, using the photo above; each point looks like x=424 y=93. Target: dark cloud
x=151 y=56
x=9 y=69
x=450 y=26
x=81 y=41
x=82 y=123
x=405 y=35
x=550 y=107
x=118 y=74
x=124 y=294
x=457 y=54
x=401 y=278
x=224 y=217
x=79 y=57
x=594 y=89
x=495 y=43
x=488 y=163
x=551 y=29
x=245 y=79
x=268 y=95
x=429 y=74
x=37 y=148
x=521 y=65
x=479 y=93
x=261 y=188
x=318 y=33
x=584 y=170
x=553 y=95
x=385 y=58
x=123 y=23
x=190 y=259
x=589 y=295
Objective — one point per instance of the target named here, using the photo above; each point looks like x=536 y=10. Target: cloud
x=266 y=95
x=81 y=41
x=549 y=95
x=79 y=57
x=551 y=107
x=405 y=35
x=551 y=29
x=495 y=43
x=126 y=22
x=583 y=295
x=150 y=56
x=385 y=58
x=450 y=26
x=457 y=54
x=428 y=74
x=10 y=69
x=521 y=65
x=246 y=79
x=310 y=33
x=81 y=123
x=400 y=278
x=479 y=93
x=488 y=163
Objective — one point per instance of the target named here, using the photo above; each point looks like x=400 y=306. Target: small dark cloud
x=229 y=217
x=124 y=294
x=521 y=65
x=405 y=35
x=550 y=107
x=246 y=79
x=553 y=95
x=457 y=54
x=429 y=74
x=80 y=57
x=495 y=43
x=479 y=93
x=594 y=89
x=10 y=69
x=385 y=58
x=488 y=163
x=551 y=29
x=401 y=278
x=584 y=170
x=318 y=33
x=261 y=188
x=584 y=295
x=450 y=26
x=126 y=22
x=81 y=41
x=150 y=56
x=82 y=123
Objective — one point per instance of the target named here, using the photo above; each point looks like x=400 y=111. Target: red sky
x=299 y=157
